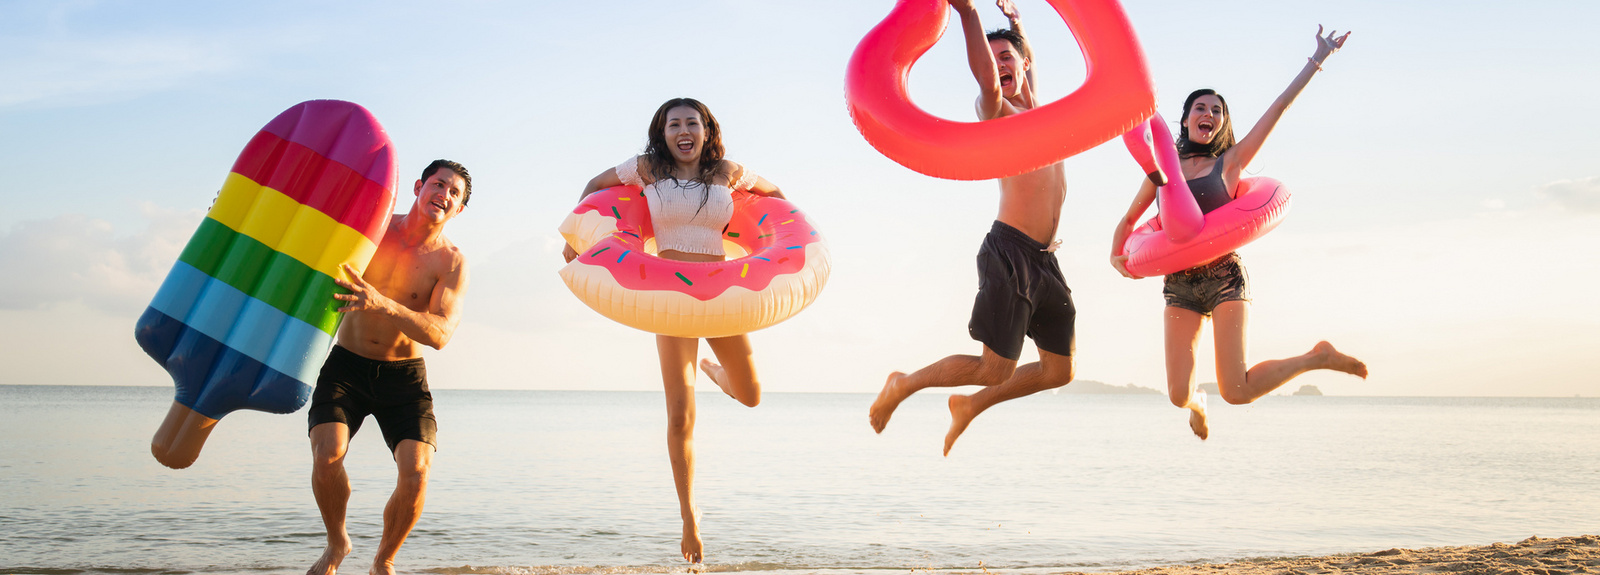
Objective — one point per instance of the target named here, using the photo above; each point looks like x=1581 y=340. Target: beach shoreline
x=1531 y=556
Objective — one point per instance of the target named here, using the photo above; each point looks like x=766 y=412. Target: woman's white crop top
x=681 y=223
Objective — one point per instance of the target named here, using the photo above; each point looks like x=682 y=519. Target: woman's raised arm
x=1246 y=149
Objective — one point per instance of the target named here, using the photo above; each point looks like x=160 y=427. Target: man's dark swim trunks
x=1201 y=289
x=393 y=392
x=1021 y=292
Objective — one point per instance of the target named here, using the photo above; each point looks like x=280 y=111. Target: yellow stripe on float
x=234 y=200
x=300 y=231
x=356 y=249
x=269 y=217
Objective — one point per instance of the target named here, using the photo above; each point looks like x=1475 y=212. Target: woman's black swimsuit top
x=1209 y=190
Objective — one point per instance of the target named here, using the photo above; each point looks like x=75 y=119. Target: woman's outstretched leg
x=1240 y=386
x=677 y=376
x=737 y=374
x=1182 y=328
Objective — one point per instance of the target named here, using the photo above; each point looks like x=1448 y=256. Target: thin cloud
x=1581 y=195
x=58 y=71
x=73 y=258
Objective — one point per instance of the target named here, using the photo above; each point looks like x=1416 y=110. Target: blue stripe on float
x=255 y=328
x=157 y=333
x=214 y=379
x=179 y=290
x=214 y=309
x=300 y=350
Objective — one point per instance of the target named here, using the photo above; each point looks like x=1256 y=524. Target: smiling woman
x=693 y=195
x=1217 y=283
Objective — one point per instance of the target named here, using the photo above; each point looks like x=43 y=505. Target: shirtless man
x=409 y=297
x=1020 y=287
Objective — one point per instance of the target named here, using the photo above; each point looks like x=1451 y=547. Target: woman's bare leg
x=677 y=377
x=737 y=374
x=1240 y=386
x=1182 y=337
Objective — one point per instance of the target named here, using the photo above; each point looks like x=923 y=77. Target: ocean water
x=531 y=482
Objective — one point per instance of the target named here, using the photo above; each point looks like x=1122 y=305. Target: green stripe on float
x=270 y=276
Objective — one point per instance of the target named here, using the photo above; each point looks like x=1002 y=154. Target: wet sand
x=1532 y=556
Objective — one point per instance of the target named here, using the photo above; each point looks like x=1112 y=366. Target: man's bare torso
x=1031 y=202
x=407 y=274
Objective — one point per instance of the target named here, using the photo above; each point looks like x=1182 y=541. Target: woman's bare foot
x=961 y=414
x=693 y=549
x=718 y=376
x=334 y=554
x=1334 y=360
x=882 y=408
x=1197 y=416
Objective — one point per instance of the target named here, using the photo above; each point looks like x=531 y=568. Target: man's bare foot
x=718 y=376
x=334 y=554
x=1337 y=361
x=961 y=414
x=883 y=407
x=693 y=549
x=381 y=568
x=1197 y=416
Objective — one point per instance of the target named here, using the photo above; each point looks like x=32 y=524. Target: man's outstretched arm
x=1009 y=8
x=990 y=99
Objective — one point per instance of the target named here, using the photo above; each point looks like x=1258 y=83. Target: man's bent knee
x=413 y=460
x=1059 y=370
x=1068 y=373
x=414 y=477
x=328 y=445
x=993 y=368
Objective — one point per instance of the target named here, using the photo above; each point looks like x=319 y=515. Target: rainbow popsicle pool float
x=247 y=314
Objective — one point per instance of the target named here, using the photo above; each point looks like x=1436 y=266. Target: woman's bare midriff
x=676 y=255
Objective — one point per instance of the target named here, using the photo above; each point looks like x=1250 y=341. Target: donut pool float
x=1180 y=236
x=247 y=314
x=776 y=266
x=1116 y=95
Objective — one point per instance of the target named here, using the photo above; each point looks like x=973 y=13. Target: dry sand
x=1532 y=556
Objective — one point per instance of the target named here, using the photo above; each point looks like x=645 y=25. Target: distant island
x=1211 y=388
x=1100 y=388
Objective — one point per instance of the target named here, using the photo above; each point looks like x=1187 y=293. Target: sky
x=1446 y=225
